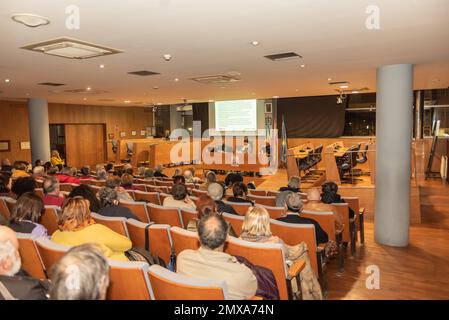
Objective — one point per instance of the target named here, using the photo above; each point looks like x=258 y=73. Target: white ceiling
x=208 y=37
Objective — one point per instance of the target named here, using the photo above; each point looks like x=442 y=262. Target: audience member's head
x=294 y=182
x=74 y=171
x=81 y=274
x=39 y=172
x=140 y=171
x=20 y=165
x=128 y=168
x=329 y=186
x=178 y=172
x=159 y=168
x=86 y=192
x=232 y=178
x=10 y=262
x=257 y=222
x=179 y=191
x=5 y=183
x=108 y=197
x=102 y=174
x=148 y=173
x=188 y=175
x=85 y=171
x=239 y=190
x=52 y=170
x=51 y=186
x=54 y=153
x=215 y=191
x=293 y=202
x=205 y=205
x=127 y=180
x=38 y=163
x=99 y=167
x=47 y=165
x=212 y=232
x=67 y=171
x=109 y=167
x=23 y=185
x=313 y=194
x=179 y=180
x=75 y=215
x=211 y=177
x=6 y=163
x=113 y=182
x=28 y=207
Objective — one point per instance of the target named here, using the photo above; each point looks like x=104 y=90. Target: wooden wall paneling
x=85 y=144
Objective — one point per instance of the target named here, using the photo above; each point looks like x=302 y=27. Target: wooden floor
x=420 y=271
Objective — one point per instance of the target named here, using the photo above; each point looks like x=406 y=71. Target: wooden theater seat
x=49 y=218
x=67 y=186
x=31 y=260
x=197 y=192
x=359 y=216
x=128 y=280
x=117 y=224
x=154 y=238
x=183 y=240
x=168 y=285
x=349 y=230
x=50 y=252
x=139 y=208
x=187 y=215
x=240 y=208
x=152 y=197
x=10 y=204
x=255 y=192
x=263 y=200
x=275 y=212
x=165 y=215
x=163 y=195
x=39 y=192
x=236 y=221
x=4 y=209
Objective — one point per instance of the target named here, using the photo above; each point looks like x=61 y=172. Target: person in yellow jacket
x=56 y=159
x=77 y=227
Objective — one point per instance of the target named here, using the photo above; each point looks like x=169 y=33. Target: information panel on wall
x=236 y=115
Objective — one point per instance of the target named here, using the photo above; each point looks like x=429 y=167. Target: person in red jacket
x=66 y=176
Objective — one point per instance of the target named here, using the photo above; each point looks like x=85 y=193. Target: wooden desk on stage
x=241 y=159
x=298 y=152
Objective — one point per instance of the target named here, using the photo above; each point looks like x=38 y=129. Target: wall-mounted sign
x=5 y=145
x=133 y=133
x=25 y=145
x=122 y=134
x=111 y=136
x=143 y=133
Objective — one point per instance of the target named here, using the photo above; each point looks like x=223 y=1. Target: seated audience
x=329 y=195
x=23 y=185
x=110 y=205
x=26 y=215
x=5 y=185
x=178 y=172
x=109 y=167
x=38 y=163
x=52 y=171
x=52 y=193
x=98 y=167
x=232 y=178
x=188 y=176
x=39 y=172
x=210 y=178
x=115 y=182
x=179 y=180
x=91 y=268
x=256 y=228
x=210 y=262
x=20 y=170
x=240 y=192
x=140 y=171
x=86 y=192
x=85 y=173
x=128 y=168
x=102 y=175
x=158 y=172
x=148 y=173
x=55 y=159
x=6 y=165
x=127 y=181
x=76 y=227
x=314 y=203
x=293 y=184
x=216 y=192
x=180 y=198
x=293 y=203
x=66 y=176
x=17 y=284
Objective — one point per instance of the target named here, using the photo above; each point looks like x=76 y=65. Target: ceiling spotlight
x=303 y=65
x=275 y=97
x=355 y=91
x=85 y=99
x=167 y=57
x=329 y=79
x=127 y=101
x=176 y=79
x=255 y=43
x=7 y=80
x=344 y=86
x=211 y=100
x=158 y=103
x=30 y=20
x=296 y=90
x=101 y=66
x=88 y=88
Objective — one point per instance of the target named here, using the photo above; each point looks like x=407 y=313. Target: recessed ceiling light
x=167 y=57
x=88 y=88
x=101 y=66
x=355 y=91
x=7 y=80
x=27 y=94
x=211 y=100
x=30 y=20
x=85 y=99
x=275 y=97
x=176 y=79
x=255 y=43
x=158 y=103
x=155 y=87
x=329 y=79
x=296 y=90
x=127 y=101
x=344 y=86
x=302 y=66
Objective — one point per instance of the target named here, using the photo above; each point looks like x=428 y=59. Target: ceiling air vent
x=85 y=91
x=143 y=73
x=216 y=79
x=70 y=48
x=51 y=84
x=338 y=82
x=283 y=56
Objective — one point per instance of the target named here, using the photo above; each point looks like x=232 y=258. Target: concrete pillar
x=39 y=129
x=394 y=129
x=419 y=114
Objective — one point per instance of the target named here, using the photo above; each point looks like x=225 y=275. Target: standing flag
x=283 y=142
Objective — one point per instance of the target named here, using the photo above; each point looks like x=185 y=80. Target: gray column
x=419 y=114
x=394 y=129
x=39 y=129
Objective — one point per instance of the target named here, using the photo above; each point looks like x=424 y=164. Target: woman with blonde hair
x=77 y=227
x=256 y=228
x=55 y=159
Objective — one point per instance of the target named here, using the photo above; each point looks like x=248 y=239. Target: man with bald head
x=210 y=262
x=52 y=193
x=13 y=283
